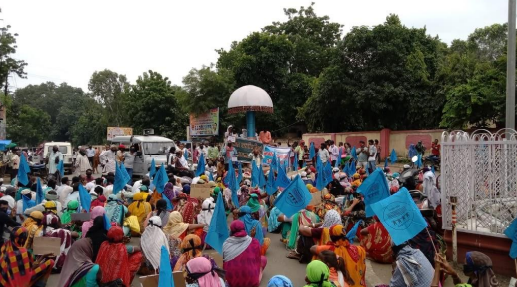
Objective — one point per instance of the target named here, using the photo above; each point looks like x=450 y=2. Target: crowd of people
x=333 y=237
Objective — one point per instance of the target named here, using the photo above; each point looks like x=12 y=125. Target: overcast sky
x=66 y=41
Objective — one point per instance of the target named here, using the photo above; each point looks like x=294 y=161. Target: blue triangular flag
x=320 y=178
x=374 y=189
x=201 y=165
x=294 y=198
x=23 y=170
x=27 y=202
x=121 y=178
x=165 y=276
x=218 y=229
x=152 y=171
x=274 y=162
x=282 y=180
x=400 y=216
x=386 y=163
x=319 y=164
x=39 y=192
x=239 y=176
x=160 y=179
x=254 y=174
x=186 y=154
x=312 y=151
x=270 y=185
x=85 y=198
x=338 y=160
x=432 y=169
x=262 y=178
x=295 y=163
x=353 y=232
x=419 y=161
x=304 y=164
x=327 y=168
x=353 y=152
x=210 y=176
x=511 y=232
x=393 y=156
x=107 y=223
x=232 y=183
x=61 y=168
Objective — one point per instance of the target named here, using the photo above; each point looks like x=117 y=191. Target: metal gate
x=480 y=170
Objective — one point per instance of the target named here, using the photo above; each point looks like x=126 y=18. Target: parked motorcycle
x=432 y=161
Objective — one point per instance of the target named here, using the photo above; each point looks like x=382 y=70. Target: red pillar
x=384 y=141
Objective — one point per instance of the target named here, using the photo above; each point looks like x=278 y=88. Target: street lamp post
x=510 y=67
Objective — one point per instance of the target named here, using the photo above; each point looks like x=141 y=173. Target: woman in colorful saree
x=241 y=250
x=191 y=248
x=200 y=273
x=152 y=241
x=115 y=211
x=34 y=226
x=71 y=208
x=96 y=212
x=140 y=208
x=376 y=240
x=17 y=268
x=79 y=269
x=254 y=228
x=117 y=259
x=52 y=229
x=184 y=206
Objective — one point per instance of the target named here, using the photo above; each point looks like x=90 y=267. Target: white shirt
x=10 y=200
x=63 y=193
x=372 y=153
x=52 y=165
x=107 y=158
x=183 y=162
x=73 y=196
x=334 y=152
x=82 y=163
x=324 y=155
x=90 y=186
x=108 y=190
x=129 y=159
x=90 y=152
x=41 y=207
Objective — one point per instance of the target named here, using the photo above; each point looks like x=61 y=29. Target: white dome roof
x=250 y=98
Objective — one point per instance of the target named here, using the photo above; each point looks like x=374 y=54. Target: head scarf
x=251 y=223
x=137 y=208
x=78 y=261
x=186 y=189
x=201 y=270
x=279 y=281
x=15 y=268
x=51 y=196
x=254 y=203
x=303 y=218
x=71 y=207
x=331 y=218
x=50 y=206
x=113 y=209
x=97 y=233
x=152 y=241
x=97 y=211
x=175 y=226
x=191 y=248
x=481 y=265
x=113 y=257
x=238 y=241
x=318 y=274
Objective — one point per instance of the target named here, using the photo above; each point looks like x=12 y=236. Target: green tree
x=152 y=104
x=90 y=127
x=110 y=89
x=7 y=49
x=27 y=125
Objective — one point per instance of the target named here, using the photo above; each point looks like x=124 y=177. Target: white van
x=65 y=148
x=147 y=148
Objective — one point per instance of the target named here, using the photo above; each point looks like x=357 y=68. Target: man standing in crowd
x=378 y=147
x=372 y=151
x=82 y=163
x=362 y=155
x=334 y=152
x=129 y=159
x=213 y=152
x=90 y=153
x=420 y=148
x=53 y=159
x=435 y=149
x=107 y=160
x=323 y=153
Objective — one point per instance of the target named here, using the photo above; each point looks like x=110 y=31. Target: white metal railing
x=480 y=170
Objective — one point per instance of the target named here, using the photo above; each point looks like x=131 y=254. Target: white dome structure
x=250 y=98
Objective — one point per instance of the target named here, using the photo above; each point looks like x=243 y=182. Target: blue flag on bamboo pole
x=210 y=176
x=270 y=185
x=23 y=170
x=385 y=162
x=159 y=181
x=419 y=161
x=295 y=163
x=165 y=276
x=374 y=188
x=262 y=178
x=239 y=177
x=327 y=168
x=61 y=168
x=218 y=229
x=85 y=198
x=152 y=171
x=393 y=156
x=274 y=162
x=39 y=192
x=254 y=174
x=294 y=198
x=353 y=152
x=318 y=163
x=121 y=178
x=353 y=232
x=400 y=216
x=320 y=178
x=312 y=151
x=27 y=202
x=232 y=183
x=282 y=180
x=201 y=165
